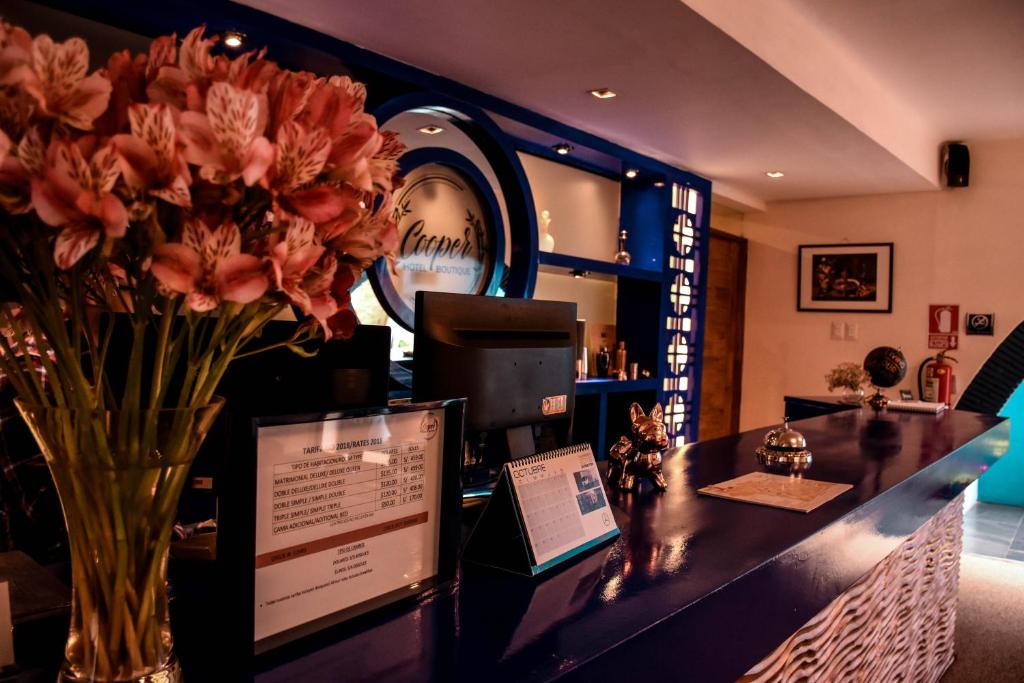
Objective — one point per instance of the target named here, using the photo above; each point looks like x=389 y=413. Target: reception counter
x=695 y=588
x=705 y=589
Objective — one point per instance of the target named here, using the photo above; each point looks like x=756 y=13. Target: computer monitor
x=344 y=373
x=515 y=362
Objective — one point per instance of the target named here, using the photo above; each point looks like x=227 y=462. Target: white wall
x=584 y=207
x=595 y=299
x=955 y=246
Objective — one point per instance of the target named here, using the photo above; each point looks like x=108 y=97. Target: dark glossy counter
x=698 y=586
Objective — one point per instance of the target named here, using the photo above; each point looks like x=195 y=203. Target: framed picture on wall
x=845 y=278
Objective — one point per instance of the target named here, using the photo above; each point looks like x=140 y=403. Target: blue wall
x=1004 y=481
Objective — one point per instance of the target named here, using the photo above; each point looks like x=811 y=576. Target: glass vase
x=852 y=397
x=119 y=475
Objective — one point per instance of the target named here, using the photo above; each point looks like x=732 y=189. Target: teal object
x=1003 y=483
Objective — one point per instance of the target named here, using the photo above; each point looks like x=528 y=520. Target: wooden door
x=723 y=336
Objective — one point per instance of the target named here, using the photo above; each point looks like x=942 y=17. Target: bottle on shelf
x=620 y=360
x=622 y=256
x=603 y=362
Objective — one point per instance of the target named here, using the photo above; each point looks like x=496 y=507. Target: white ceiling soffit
x=832 y=72
x=961 y=64
x=690 y=93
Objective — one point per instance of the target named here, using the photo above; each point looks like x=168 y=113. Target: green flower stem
x=163 y=339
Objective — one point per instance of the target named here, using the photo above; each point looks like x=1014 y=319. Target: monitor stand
x=491 y=450
x=521 y=442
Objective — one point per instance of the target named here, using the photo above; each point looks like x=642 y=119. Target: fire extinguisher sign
x=943 y=326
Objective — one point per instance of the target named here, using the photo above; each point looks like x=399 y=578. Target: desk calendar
x=545 y=509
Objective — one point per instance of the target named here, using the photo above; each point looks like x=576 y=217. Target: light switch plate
x=852 y=330
x=837 y=331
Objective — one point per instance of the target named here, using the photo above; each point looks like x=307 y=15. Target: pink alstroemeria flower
x=57 y=80
x=384 y=164
x=287 y=94
x=301 y=158
x=185 y=86
x=15 y=55
x=75 y=195
x=317 y=287
x=343 y=322
x=150 y=160
x=127 y=76
x=16 y=171
x=373 y=237
x=227 y=141
x=208 y=266
x=293 y=257
x=335 y=106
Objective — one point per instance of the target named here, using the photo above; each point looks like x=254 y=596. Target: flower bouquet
x=849 y=376
x=181 y=199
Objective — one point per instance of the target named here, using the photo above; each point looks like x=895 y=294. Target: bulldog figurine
x=631 y=460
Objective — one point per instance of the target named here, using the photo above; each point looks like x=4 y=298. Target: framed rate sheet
x=352 y=511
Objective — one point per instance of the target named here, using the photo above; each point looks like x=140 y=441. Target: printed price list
x=336 y=488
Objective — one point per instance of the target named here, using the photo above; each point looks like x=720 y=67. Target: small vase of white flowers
x=849 y=377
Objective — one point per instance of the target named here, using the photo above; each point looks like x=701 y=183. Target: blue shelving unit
x=588 y=387
x=570 y=263
x=659 y=307
x=607 y=392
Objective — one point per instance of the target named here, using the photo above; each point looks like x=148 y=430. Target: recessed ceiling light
x=234 y=39
x=659 y=183
x=632 y=173
x=431 y=129
x=562 y=148
x=603 y=93
x=774 y=174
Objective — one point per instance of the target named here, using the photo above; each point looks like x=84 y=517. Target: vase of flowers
x=180 y=200
x=850 y=377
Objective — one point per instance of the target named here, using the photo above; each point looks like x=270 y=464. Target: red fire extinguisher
x=935 y=379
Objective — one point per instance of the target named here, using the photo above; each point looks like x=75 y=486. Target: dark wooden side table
x=803 y=407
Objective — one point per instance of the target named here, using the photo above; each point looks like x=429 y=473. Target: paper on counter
x=779 y=491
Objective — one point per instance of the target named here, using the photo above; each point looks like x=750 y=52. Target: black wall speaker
x=956 y=164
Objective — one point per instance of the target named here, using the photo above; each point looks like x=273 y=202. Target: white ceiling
x=845 y=97
x=960 y=63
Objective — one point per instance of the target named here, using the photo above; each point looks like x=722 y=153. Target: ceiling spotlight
x=603 y=93
x=659 y=183
x=632 y=173
x=234 y=39
x=431 y=129
x=562 y=148
x=774 y=174
x=577 y=273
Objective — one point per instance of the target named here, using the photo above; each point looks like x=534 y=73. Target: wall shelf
x=596 y=385
x=555 y=262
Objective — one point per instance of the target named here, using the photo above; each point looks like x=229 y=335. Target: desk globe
x=886 y=366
